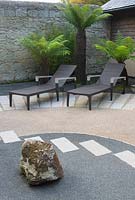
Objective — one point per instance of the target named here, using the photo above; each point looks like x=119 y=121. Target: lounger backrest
x=62 y=72
x=111 y=70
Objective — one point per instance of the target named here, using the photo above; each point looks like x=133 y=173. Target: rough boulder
x=39 y=162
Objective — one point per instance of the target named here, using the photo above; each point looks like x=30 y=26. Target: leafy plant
x=121 y=49
x=96 y=2
x=81 y=17
x=69 y=35
x=44 y=50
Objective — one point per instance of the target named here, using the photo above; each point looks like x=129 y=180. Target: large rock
x=39 y=162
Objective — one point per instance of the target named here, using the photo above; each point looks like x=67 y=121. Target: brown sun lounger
x=108 y=79
x=55 y=83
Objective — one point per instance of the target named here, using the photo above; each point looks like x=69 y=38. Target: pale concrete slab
x=130 y=105
x=57 y=104
x=82 y=101
x=95 y=148
x=46 y=100
x=33 y=102
x=72 y=101
x=37 y=138
x=4 y=99
x=4 y=102
x=64 y=103
x=19 y=102
x=64 y=144
x=106 y=103
x=127 y=156
x=9 y=136
x=64 y=100
x=121 y=101
x=1 y=108
x=41 y=103
x=96 y=99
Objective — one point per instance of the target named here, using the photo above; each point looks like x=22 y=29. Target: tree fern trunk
x=44 y=70
x=80 y=57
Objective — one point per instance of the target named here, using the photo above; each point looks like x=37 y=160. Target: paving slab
x=9 y=136
x=95 y=148
x=1 y=108
x=121 y=101
x=37 y=138
x=130 y=105
x=57 y=104
x=4 y=102
x=127 y=156
x=105 y=103
x=45 y=100
x=96 y=99
x=82 y=101
x=19 y=102
x=64 y=145
x=72 y=101
x=48 y=100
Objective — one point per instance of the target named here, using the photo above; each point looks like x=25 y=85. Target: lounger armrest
x=117 y=78
x=41 y=77
x=92 y=76
x=57 y=80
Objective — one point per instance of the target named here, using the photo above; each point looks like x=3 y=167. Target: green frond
x=42 y=48
x=101 y=48
x=103 y=16
x=72 y=13
x=121 y=49
x=82 y=16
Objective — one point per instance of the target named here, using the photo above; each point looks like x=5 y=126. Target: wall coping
x=20 y=3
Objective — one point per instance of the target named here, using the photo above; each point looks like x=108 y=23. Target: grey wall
x=18 y=19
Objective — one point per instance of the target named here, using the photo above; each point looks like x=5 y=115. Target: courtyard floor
x=101 y=141
x=94 y=168
x=108 y=119
x=117 y=124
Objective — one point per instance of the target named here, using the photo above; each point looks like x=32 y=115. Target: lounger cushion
x=34 y=90
x=88 y=90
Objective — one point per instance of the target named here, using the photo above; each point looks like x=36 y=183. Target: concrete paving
x=100 y=101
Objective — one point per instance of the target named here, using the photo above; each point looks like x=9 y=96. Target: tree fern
x=121 y=49
x=81 y=17
x=43 y=51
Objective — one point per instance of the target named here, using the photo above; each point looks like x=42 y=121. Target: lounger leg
x=10 y=100
x=28 y=102
x=57 y=91
x=68 y=95
x=124 y=87
x=111 y=92
x=38 y=99
x=89 y=102
x=57 y=95
x=75 y=85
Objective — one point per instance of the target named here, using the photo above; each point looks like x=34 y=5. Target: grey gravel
x=86 y=177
